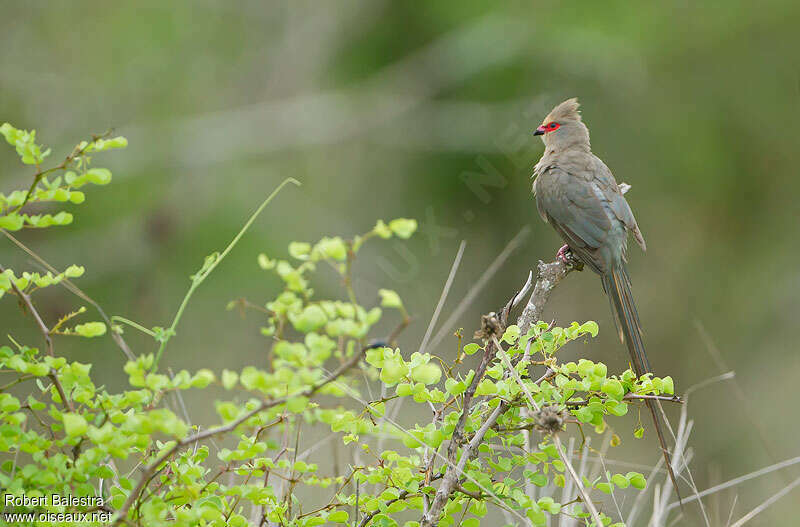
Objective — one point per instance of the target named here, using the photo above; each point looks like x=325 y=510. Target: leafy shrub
x=66 y=434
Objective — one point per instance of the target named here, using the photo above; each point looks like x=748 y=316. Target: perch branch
x=549 y=275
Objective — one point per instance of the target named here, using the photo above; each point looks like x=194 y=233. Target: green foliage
x=70 y=436
x=73 y=173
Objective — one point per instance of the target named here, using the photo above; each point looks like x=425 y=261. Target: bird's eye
x=552 y=126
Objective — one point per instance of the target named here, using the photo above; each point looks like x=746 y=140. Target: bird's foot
x=566 y=255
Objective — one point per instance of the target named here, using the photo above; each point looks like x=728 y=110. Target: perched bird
x=577 y=194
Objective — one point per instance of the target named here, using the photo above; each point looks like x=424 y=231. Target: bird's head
x=563 y=127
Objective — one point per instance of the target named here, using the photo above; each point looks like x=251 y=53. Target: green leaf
x=38 y=369
x=8 y=403
x=300 y=250
x=404 y=389
x=74 y=271
x=297 y=404
x=590 y=327
x=617 y=408
x=202 y=378
x=382 y=230
x=12 y=222
x=584 y=414
x=403 y=227
x=98 y=176
x=427 y=373
x=486 y=387
x=471 y=348
x=637 y=480
x=511 y=334
x=620 y=481
x=454 y=387
x=310 y=319
x=332 y=248
x=613 y=388
x=229 y=379
x=74 y=424
x=668 y=385
x=538 y=479
x=604 y=487
x=91 y=329
x=390 y=299
x=265 y=263
x=393 y=371
x=600 y=370
x=338 y=517
x=374 y=315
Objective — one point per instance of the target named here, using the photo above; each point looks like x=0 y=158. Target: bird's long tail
x=618 y=288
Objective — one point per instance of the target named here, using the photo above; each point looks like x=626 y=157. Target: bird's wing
x=579 y=208
x=616 y=201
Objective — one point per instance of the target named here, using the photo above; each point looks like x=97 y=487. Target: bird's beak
x=539 y=131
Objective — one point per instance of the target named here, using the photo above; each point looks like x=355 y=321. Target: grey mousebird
x=577 y=194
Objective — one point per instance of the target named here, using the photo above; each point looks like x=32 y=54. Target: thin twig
x=198 y=278
x=736 y=481
x=443 y=297
x=432 y=324
x=577 y=480
x=26 y=299
x=775 y=497
x=466 y=302
x=635 y=397
x=67 y=283
x=264 y=405
x=744 y=402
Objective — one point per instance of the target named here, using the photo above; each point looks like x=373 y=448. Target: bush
x=123 y=455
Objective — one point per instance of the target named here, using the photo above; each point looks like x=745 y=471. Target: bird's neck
x=556 y=150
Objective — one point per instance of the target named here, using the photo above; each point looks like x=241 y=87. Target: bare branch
x=443 y=296
x=577 y=480
x=495 y=266
x=772 y=499
x=735 y=481
x=549 y=276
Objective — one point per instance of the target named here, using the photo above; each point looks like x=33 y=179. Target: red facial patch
x=551 y=126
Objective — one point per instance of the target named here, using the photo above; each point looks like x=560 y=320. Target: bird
x=576 y=193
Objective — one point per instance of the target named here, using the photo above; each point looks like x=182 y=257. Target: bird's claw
x=565 y=255
x=562 y=254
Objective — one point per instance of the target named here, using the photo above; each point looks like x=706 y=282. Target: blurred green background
x=425 y=110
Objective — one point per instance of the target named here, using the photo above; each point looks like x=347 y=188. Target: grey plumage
x=577 y=194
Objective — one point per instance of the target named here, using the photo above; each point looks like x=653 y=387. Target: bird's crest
x=566 y=111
